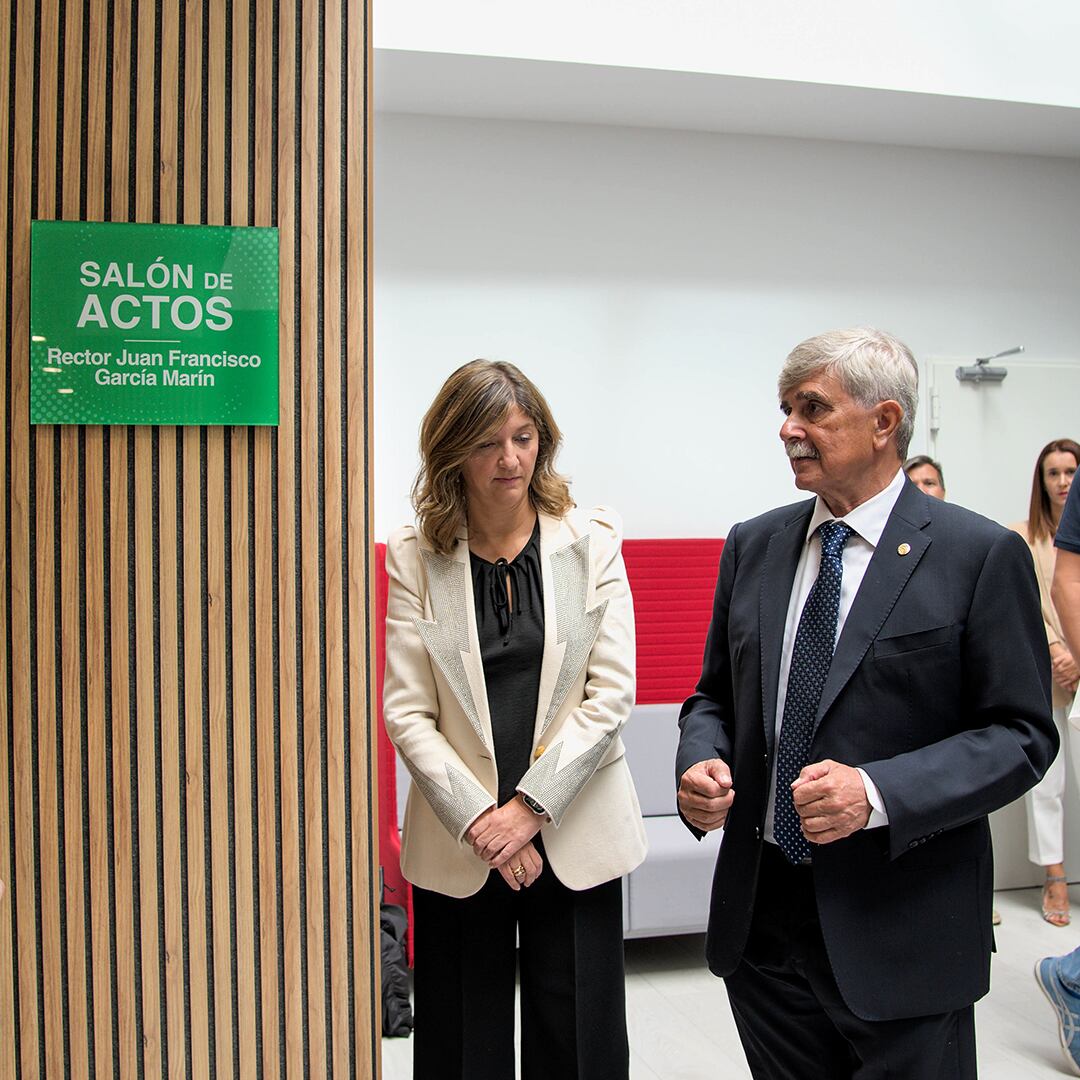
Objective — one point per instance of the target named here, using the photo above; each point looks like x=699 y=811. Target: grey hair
x=872 y=367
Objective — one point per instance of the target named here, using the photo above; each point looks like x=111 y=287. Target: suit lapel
x=451 y=637
x=777 y=576
x=902 y=546
x=553 y=533
x=570 y=628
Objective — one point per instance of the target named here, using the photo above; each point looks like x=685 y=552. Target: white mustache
x=800 y=448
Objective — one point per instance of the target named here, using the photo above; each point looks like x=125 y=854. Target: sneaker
x=1066 y=1005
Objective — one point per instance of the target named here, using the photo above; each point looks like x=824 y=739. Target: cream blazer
x=436 y=711
x=1044 y=555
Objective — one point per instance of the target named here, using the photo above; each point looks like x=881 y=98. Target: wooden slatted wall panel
x=187 y=806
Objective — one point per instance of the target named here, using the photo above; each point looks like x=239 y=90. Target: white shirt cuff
x=878 y=814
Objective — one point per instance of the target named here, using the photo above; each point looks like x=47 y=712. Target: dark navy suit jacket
x=939 y=688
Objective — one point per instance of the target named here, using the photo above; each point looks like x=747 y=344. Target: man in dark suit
x=875 y=683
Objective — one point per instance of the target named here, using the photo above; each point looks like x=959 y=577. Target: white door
x=987 y=437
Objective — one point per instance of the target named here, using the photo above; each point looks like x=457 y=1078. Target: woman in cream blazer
x=535 y=855
x=1050 y=485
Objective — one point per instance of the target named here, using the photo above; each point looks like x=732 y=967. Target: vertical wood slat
x=332 y=553
x=244 y=890
x=244 y=895
x=170 y=754
x=70 y=751
x=118 y=613
x=8 y=923
x=364 y=810
x=263 y=571
x=43 y=583
x=214 y=195
x=94 y=479
x=201 y=983
x=128 y=1006
x=185 y=761
x=154 y=1038
x=79 y=977
x=306 y=478
x=219 y=882
x=144 y=751
x=17 y=492
x=201 y=991
x=97 y=745
x=289 y=360
x=171 y=767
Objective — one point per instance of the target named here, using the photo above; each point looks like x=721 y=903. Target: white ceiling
x=510 y=89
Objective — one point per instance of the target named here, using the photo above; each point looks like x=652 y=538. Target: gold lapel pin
x=903 y=549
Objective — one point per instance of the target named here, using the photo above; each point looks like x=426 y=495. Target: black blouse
x=511 y=631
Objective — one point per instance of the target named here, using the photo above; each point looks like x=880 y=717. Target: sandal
x=1055 y=916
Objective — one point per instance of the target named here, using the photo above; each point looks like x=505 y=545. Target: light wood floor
x=681 y=1028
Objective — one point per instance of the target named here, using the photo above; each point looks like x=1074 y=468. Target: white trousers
x=1046 y=800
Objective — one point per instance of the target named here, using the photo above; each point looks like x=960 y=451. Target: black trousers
x=573 y=999
x=792 y=1020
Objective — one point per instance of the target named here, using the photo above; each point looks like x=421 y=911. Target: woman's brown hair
x=1040 y=517
x=472 y=404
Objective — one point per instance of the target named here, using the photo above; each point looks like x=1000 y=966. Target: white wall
x=652 y=282
x=1007 y=50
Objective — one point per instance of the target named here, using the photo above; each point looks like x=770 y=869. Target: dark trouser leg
x=940 y=1047
x=463 y=984
x=573 y=992
x=784 y=1031
x=792 y=1020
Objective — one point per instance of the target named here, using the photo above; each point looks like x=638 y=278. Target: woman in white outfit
x=1050 y=485
x=510 y=657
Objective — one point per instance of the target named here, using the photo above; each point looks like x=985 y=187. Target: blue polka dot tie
x=811 y=656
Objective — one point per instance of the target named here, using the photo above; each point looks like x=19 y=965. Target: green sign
x=153 y=324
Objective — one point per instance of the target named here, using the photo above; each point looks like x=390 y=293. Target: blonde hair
x=473 y=403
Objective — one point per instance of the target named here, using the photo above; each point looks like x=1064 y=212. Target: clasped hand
x=1063 y=667
x=528 y=864
x=499 y=833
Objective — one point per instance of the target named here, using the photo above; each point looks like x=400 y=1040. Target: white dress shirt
x=868 y=522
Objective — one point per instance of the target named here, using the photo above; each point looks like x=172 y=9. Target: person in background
x=1059 y=976
x=874 y=684
x=1054 y=471
x=925 y=472
x=510 y=657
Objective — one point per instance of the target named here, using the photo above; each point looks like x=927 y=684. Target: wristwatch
x=532 y=804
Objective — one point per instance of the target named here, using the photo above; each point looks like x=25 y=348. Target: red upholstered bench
x=397 y=888
x=673 y=582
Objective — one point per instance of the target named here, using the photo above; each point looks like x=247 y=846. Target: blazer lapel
x=570 y=628
x=777 y=577
x=902 y=546
x=451 y=636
